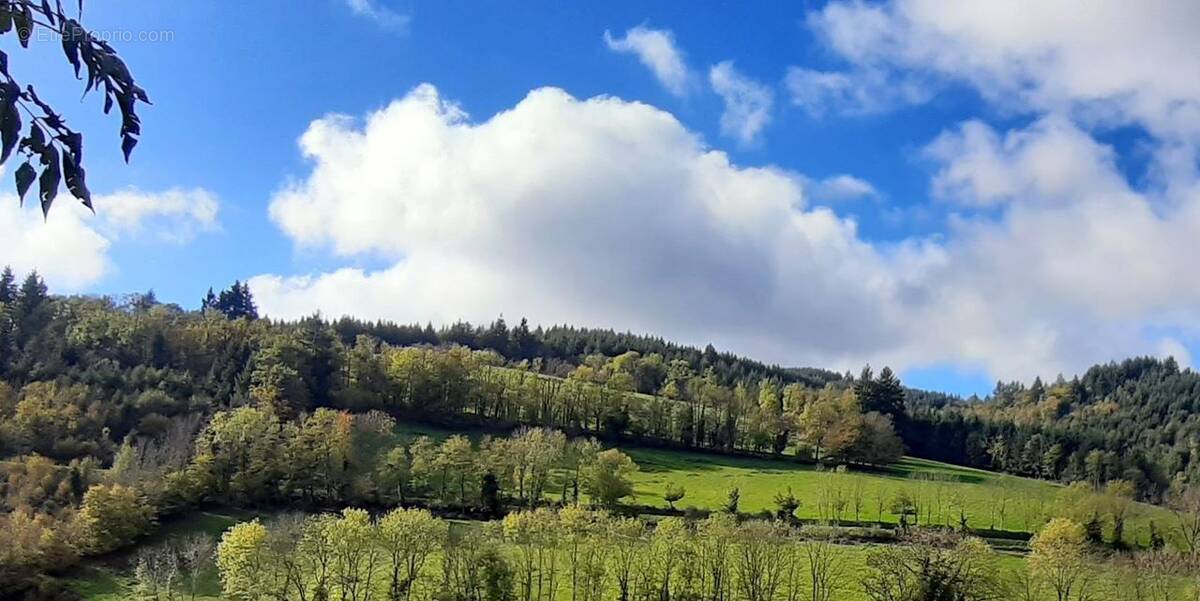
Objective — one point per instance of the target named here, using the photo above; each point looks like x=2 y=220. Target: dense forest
x=1137 y=420
x=115 y=413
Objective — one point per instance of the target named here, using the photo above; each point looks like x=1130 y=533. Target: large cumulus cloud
x=611 y=213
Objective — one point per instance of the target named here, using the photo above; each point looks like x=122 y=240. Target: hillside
x=117 y=413
x=1136 y=420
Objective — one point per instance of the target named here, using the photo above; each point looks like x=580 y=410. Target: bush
x=112 y=516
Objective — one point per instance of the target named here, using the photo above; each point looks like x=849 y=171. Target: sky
x=966 y=191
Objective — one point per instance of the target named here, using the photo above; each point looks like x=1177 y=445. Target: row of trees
x=534 y=555
x=584 y=555
x=558 y=349
x=834 y=423
x=520 y=470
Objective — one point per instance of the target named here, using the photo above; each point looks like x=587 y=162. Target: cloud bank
x=70 y=247
x=611 y=213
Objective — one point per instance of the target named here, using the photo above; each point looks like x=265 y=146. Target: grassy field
x=988 y=499
x=110 y=580
x=940 y=490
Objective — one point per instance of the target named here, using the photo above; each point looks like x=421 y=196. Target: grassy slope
x=707 y=477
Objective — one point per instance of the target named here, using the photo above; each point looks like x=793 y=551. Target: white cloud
x=175 y=215
x=65 y=248
x=858 y=92
x=598 y=211
x=1113 y=61
x=382 y=15
x=70 y=247
x=838 y=188
x=656 y=49
x=1052 y=160
x=747 y=102
x=610 y=213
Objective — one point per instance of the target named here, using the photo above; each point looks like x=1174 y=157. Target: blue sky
x=816 y=184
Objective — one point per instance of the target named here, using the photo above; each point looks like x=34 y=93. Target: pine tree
x=8 y=286
x=524 y=343
x=864 y=388
x=237 y=302
x=30 y=309
x=1094 y=530
x=8 y=296
x=209 y=301
x=496 y=337
x=887 y=396
x=1156 y=538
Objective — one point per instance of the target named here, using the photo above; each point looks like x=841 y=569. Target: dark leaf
x=108 y=103
x=48 y=182
x=36 y=140
x=6 y=22
x=10 y=129
x=89 y=60
x=70 y=44
x=25 y=176
x=74 y=142
x=75 y=176
x=140 y=94
x=23 y=19
x=115 y=67
x=127 y=145
x=3 y=61
x=49 y=13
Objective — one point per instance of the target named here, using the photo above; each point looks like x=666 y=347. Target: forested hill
x=1136 y=420
x=81 y=375
x=559 y=348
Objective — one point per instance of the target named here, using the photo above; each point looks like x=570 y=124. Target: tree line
x=1134 y=421
x=586 y=555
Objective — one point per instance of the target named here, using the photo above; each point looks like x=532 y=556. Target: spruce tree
x=864 y=388
x=887 y=396
x=236 y=302
x=8 y=296
x=30 y=309
x=209 y=301
x=524 y=343
x=8 y=286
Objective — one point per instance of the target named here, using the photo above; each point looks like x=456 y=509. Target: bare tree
x=156 y=573
x=195 y=553
x=826 y=566
x=759 y=560
x=933 y=565
x=1185 y=503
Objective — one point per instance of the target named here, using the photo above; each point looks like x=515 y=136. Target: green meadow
x=988 y=500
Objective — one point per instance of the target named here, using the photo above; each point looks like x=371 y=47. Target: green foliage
x=607 y=478
x=932 y=566
x=733 y=500
x=673 y=494
x=192 y=407
x=786 y=504
x=111 y=517
x=1132 y=421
